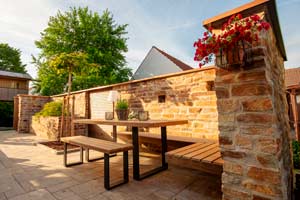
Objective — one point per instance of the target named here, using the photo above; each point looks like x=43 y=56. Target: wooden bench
x=104 y=146
x=203 y=156
x=174 y=142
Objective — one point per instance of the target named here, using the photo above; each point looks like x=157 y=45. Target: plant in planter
x=122 y=109
x=233 y=45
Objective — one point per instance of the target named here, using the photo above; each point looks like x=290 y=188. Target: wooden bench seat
x=104 y=146
x=204 y=156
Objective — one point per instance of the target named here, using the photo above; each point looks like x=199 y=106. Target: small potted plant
x=122 y=109
x=232 y=47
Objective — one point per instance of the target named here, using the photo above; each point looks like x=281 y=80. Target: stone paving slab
x=29 y=171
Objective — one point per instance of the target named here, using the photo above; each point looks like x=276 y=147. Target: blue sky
x=171 y=25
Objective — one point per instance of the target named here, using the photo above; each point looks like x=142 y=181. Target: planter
x=49 y=127
x=122 y=114
x=46 y=127
x=239 y=55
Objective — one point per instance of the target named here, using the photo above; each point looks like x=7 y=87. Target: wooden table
x=135 y=139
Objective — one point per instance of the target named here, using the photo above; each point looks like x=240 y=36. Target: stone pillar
x=253 y=118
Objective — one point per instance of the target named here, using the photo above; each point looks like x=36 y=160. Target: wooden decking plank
x=190 y=155
x=183 y=148
x=219 y=161
x=197 y=148
x=212 y=157
x=205 y=154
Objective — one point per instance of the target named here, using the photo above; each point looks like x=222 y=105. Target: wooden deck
x=203 y=156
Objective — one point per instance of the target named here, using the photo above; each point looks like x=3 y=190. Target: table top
x=133 y=123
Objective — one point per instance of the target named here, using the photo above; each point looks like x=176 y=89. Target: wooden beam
x=295 y=113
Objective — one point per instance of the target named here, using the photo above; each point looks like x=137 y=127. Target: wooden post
x=87 y=110
x=62 y=119
x=72 y=116
x=295 y=113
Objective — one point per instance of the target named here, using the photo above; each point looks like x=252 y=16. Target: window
x=210 y=85
x=161 y=98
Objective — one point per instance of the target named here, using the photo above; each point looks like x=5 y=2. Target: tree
x=10 y=59
x=80 y=30
x=70 y=63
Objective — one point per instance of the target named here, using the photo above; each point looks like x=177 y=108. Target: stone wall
x=49 y=127
x=28 y=105
x=188 y=96
x=254 y=129
x=80 y=101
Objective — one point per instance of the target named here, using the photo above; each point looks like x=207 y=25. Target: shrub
x=122 y=104
x=50 y=109
x=7 y=112
x=6 y=109
x=296 y=154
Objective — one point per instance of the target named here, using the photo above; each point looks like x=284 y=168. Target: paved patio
x=30 y=171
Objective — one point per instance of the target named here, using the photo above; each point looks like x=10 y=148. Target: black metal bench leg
x=66 y=158
x=125 y=166
x=107 y=184
x=106 y=171
x=87 y=156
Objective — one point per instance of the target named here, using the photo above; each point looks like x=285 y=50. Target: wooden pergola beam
x=295 y=113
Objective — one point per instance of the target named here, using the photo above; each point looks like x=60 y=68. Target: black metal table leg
x=164 y=146
x=66 y=159
x=107 y=184
x=136 y=161
x=136 y=152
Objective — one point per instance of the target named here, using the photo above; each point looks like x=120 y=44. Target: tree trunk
x=68 y=100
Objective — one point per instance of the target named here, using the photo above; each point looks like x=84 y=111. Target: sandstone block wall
x=49 y=127
x=188 y=96
x=27 y=106
x=254 y=129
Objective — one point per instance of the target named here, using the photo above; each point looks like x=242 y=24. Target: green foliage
x=122 y=104
x=53 y=108
x=10 y=59
x=97 y=37
x=6 y=110
x=296 y=154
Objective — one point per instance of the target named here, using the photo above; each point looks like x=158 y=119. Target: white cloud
x=21 y=24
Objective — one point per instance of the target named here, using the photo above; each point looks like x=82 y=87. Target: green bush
x=122 y=104
x=296 y=154
x=6 y=109
x=50 y=109
x=7 y=113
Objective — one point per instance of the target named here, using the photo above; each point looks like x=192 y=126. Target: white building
x=158 y=62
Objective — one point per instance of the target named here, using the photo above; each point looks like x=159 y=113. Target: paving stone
x=2 y=196
x=41 y=194
x=89 y=189
x=61 y=186
x=32 y=172
x=66 y=194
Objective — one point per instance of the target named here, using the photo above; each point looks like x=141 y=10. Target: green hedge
x=50 y=109
x=6 y=113
x=296 y=154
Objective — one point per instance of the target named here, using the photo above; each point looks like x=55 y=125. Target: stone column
x=254 y=131
x=253 y=117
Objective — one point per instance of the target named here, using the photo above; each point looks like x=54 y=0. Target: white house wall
x=155 y=64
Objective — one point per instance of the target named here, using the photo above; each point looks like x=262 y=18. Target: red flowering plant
x=237 y=30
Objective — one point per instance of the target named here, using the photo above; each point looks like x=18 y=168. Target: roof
x=249 y=9
x=158 y=62
x=15 y=75
x=292 y=77
x=177 y=62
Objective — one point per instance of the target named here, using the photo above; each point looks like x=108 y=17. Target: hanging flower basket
x=237 y=56
x=232 y=47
